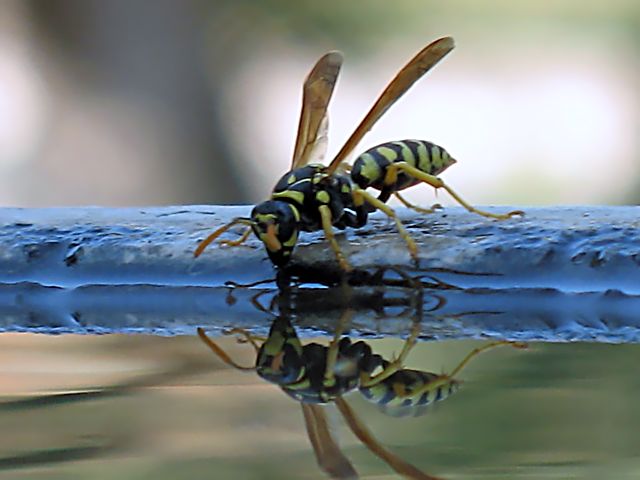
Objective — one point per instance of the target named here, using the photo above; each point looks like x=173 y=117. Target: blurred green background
x=552 y=411
x=178 y=102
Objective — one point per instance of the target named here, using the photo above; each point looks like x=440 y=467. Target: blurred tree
x=182 y=56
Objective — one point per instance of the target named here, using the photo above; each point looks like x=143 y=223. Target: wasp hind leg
x=436 y=182
x=327 y=226
x=412 y=206
x=360 y=196
x=447 y=378
x=397 y=363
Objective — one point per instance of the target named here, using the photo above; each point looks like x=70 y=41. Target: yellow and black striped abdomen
x=370 y=168
x=407 y=392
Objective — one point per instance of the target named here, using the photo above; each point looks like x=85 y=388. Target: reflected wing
x=412 y=71
x=360 y=430
x=311 y=143
x=328 y=455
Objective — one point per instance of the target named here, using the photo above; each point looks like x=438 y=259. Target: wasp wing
x=328 y=455
x=360 y=430
x=426 y=59
x=311 y=142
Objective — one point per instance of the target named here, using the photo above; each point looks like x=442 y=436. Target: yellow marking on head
x=291 y=241
x=291 y=179
x=265 y=217
x=424 y=162
x=270 y=238
x=388 y=153
x=294 y=195
x=346 y=188
x=323 y=197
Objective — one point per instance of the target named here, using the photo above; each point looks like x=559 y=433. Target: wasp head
x=275 y=223
x=280 y=359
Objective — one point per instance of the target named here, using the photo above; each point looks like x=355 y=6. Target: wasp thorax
x=275 y=223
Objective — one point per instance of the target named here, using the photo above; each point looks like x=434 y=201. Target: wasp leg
x=219 y=351
x=361 y=431
x=397 y=363
x=361 y=196
x=418 y=209
x=435 y=182
x=445 y=378
x=255 y=301
x=333 y=351
x=247 y=337
x=240 y=241
x=327 y=226
x=481 y=349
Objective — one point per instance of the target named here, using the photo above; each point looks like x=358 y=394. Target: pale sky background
x=119 y=104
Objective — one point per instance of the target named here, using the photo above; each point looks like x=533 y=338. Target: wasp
x=312 y=196
x=315 y=374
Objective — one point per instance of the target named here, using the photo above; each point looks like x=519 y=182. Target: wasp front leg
x=436 y=182
x=327 y=226
x=447 y=381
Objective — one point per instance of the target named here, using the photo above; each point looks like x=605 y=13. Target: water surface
x=169 y=409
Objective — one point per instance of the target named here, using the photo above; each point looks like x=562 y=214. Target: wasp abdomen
x=370 y=169
x=404 y=392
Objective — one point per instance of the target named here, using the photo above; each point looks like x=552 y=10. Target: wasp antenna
x=207 y=241
x=219 y=351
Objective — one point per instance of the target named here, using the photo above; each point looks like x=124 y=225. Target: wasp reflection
x=315 y=374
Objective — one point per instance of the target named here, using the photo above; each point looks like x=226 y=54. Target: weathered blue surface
x=557 y=274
